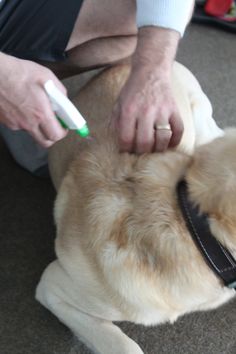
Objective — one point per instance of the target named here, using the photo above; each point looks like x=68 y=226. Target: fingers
x=167 y=131
x=40 y=138
x=146 y=115
x=48 y=130
x=145 y=138
x=125 y=127
x=50 y=127
x=145 y=135
x=46 y=134
x=162 y=137
x=177 y=127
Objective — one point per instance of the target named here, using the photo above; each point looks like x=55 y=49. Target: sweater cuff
x=172 y=14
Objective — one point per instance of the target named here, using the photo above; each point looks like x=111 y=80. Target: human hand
x=24 y=103
x=146 y=116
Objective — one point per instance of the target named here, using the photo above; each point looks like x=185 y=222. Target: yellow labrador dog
x=124 y=251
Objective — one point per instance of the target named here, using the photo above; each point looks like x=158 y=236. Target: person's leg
x=104 y=34
x=25 y=151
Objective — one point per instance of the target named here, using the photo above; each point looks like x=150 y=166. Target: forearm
x=146 y=103
x=156 y=48
x=161 y=24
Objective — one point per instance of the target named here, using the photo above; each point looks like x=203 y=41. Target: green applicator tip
x=83 y=132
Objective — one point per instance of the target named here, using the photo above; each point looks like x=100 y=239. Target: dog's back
x=96 y=100
x=119 y=201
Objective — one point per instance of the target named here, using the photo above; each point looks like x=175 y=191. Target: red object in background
x=217 y=7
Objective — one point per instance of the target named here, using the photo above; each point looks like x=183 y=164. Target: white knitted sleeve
x=173 y=14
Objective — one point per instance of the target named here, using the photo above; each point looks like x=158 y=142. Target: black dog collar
x=217 y=257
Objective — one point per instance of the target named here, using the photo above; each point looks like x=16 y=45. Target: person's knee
x=103 y=51
x=94 y=54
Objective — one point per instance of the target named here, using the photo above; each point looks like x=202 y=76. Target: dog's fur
x=124 y=253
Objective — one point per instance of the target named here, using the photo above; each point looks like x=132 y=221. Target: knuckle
x=25 y=125
x=146 y=112
x=52 y=137
x=163 y=111
x=56 y=136
x=128 y=110
x=38 y=117
x=46 y=143
x=47 y=72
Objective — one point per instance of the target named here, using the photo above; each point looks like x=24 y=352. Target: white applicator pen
x=66 y=112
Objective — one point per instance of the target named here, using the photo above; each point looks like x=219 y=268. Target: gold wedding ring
x=162 y=127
